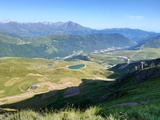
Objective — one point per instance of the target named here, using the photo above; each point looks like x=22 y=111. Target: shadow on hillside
x=88 y=93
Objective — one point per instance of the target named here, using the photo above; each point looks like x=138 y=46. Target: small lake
x=74 y=67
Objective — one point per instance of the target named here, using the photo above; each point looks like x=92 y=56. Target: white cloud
x=135 y=17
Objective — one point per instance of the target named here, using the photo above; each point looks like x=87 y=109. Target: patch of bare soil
x=55 y=86
x=72 y=80
x=51 y=70
x=35 y=75
x=2 y=91
x=43 y=79
x=72 y=91
x=11 y=81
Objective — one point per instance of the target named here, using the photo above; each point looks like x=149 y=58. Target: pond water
x=74 y=67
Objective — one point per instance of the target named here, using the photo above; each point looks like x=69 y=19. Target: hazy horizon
x=95 y=14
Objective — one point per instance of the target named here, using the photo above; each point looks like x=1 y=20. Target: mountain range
x=60 y=44
x=32 y=30
x=48 y=40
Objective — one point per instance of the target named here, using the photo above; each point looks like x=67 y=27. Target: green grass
x=92 y=92
x=139 y=112
x=11 y=40
x=111 y=58
x=149 y=111
x=67 y=114
x=140 y=54
x=15 y=73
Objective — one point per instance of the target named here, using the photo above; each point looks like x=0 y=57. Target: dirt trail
x=100 y=78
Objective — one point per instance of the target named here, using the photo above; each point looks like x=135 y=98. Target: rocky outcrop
x=147 y=74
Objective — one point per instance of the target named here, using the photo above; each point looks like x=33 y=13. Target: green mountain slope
x=88 y=43
x=137 y=35
x=25 y=50
x=153 y=42
x=10 y=46
x=11 y=40
x=60 y=45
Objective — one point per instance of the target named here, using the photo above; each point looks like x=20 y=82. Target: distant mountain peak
x=72 y=23
x=36 y=29
x=8 y=21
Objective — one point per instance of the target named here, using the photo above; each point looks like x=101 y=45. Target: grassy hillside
x=11 y=40
x=11 y=46
x=25 y=50
x=17 y=74
x=153 y=42
x=59 y=45
x=134 y=55
x=65 y=44
x=133 y=96
x=35 y=71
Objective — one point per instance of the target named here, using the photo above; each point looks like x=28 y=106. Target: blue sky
x=98 y=14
